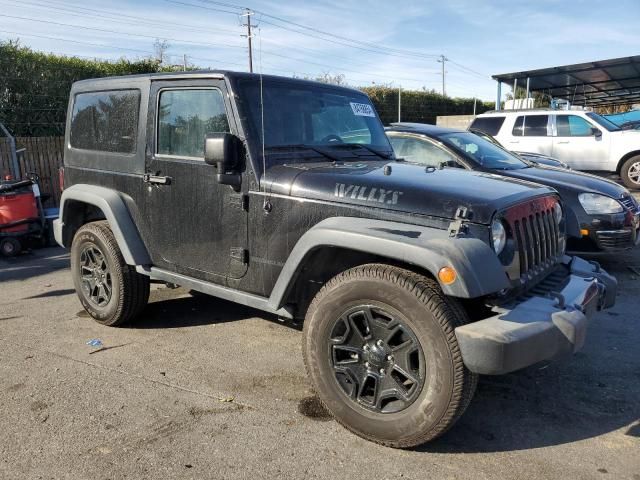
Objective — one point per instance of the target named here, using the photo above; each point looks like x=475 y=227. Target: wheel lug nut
x=379 y=343
x=382 y=371
x=366 y=348
x=390 y=358
x=366 y=364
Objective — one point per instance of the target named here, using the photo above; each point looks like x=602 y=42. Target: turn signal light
x=447 y=275
x=584 y=232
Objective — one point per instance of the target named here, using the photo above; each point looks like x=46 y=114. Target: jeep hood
x=402 y=187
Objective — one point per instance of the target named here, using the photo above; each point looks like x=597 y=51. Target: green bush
x=420 y=106
x=34 y=86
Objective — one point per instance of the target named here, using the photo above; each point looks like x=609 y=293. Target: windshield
x=603 y=122
x=303 y=119
x=481 y=151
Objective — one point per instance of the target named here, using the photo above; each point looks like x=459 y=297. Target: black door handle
x=157 y=179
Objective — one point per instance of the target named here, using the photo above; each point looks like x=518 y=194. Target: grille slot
x=614 y=239
x=536 y=235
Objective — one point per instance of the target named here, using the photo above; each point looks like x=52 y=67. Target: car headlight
x=594 y=203
x=557 y=213
x=498 y=235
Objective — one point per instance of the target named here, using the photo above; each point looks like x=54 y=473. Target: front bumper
x=539 y=328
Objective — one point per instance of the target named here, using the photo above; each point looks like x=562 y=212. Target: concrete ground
x=202 y=388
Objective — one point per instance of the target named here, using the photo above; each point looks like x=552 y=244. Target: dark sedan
x=601 y=215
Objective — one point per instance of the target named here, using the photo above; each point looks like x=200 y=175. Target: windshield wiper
x=385 y=155
x=302 y=146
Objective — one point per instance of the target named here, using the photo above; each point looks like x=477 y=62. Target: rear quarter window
x=105 y=121
x=531 y=126
x=489 y=125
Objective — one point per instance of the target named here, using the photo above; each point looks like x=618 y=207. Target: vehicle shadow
x=176 y=308
x=33 y=264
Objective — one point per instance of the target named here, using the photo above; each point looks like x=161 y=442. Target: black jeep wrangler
x=285 y=195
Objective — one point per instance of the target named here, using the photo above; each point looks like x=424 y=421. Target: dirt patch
x=313 y=408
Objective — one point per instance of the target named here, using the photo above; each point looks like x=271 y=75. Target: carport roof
x=602 y=83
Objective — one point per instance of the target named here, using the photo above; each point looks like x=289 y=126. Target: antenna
x=267 y=203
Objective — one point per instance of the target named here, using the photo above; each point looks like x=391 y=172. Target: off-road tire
x=448 y=386
x=130 y=290
x=624 y=172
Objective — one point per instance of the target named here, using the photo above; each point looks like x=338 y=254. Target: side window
x=572 y=126
x=489 y=125
x=105 y=121
x=184 y=119
x=531 y=126
x=421 y=151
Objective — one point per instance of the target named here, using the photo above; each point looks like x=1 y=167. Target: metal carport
x=594 y=84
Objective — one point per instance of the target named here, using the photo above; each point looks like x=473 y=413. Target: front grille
x=536 y=235
x=614 y=239
x=630 y=203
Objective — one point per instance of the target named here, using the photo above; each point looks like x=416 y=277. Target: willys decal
x=368 y=194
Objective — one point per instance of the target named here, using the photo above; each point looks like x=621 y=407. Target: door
x=531 y=133
x=199 y=227
x=575 y=144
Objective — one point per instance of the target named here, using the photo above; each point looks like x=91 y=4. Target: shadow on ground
x=33 y=264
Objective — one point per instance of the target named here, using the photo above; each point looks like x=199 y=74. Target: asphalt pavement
x=203 y=388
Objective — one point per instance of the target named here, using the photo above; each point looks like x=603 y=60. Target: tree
x=160 y=48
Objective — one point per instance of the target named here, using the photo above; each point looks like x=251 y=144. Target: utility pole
x=248 y=25
x=442 y=60
x=184 y=62
x=399 y=104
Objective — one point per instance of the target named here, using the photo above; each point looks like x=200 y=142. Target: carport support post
x=527 y=100
x=498 y=96
x=515 y=86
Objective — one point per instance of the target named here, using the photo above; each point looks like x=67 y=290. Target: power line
x=329 y=34
x=119 y=33
x=117 y=17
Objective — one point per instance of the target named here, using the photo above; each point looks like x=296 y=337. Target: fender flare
x=111 y=203
x=478 y=267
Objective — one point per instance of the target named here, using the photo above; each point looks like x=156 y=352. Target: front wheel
x=630 y=173
x=111 y=291
x=380 y=348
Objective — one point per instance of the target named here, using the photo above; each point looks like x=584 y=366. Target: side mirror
x=223 y=151
x=596 y=132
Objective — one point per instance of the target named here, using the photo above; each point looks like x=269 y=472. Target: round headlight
x=557 y=212
x=498 y=235
x=594 y=203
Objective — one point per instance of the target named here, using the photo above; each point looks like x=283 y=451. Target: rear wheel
x=10 y=247
x=111 y=291
x=630 y=172
x=380 y=348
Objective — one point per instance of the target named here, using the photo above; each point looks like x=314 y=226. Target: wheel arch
x=349 y=242
x=81 y=204
x=626 y=157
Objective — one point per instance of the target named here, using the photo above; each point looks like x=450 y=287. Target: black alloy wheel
x=377 y=359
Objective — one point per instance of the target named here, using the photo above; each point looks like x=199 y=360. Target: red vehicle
x=21 y=216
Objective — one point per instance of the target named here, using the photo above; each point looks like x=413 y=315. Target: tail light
x=61 y=178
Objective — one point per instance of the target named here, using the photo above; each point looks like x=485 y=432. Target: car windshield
x=481 y=151
x=302 y=119
x=603 y=122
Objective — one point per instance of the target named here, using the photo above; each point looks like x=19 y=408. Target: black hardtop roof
x=199 y=74
x=422 y=128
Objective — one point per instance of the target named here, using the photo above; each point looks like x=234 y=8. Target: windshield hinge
x=457 y=226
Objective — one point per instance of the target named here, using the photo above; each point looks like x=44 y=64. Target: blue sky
x=479 y=37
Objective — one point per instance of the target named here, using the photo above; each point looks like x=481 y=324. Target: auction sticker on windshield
x=362 y=109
